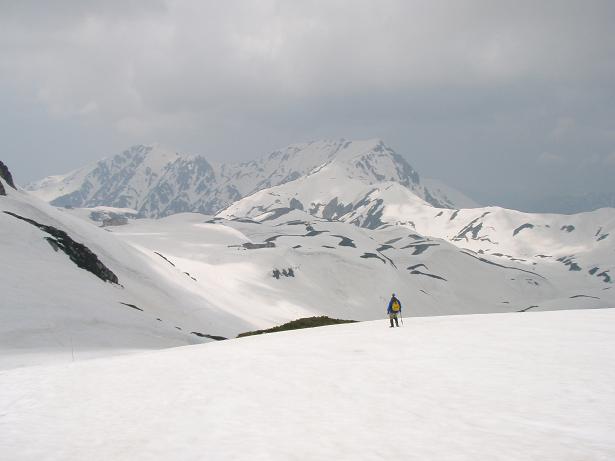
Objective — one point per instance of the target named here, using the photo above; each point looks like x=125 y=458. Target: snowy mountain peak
x=157 y=181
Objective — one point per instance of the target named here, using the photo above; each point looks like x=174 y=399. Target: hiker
x=394 y=309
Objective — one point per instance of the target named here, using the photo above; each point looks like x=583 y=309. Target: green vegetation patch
x=307 y=322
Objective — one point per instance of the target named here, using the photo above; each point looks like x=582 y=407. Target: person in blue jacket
x=394 y=309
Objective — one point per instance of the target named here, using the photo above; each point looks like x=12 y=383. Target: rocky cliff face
x=5 y=174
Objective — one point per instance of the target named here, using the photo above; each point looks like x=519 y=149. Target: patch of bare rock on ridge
x=8 y=178
x=78 y=253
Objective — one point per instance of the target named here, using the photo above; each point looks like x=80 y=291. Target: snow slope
x=217 y=276
x=580 y=243
x=53 y=310
x=158 y=182
x=483 y=387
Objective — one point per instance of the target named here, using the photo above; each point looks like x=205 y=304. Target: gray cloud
x=477 y=93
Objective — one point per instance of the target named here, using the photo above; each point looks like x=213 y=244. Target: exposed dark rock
x=276 y=274
x=389 y=242
x=428 y=275
x=203 y=335
x=163 y=257
x=314 y=233
x=328 y=246
x=435 y=202
x=372 y=220
x=584 y=296
x=132 y=305
x=372 y=255
x=257 y=246
x=405 y=172
x=473 y=228
x=593 y=270
x=345 y=242
x=486 y=261
x=365 y=200
x=6 y=175
x=568 y=228
x=454 y=215
x=569 y=261
x=527 y=309
x=188 y=274
x=296 y=222
x=416 y=266
x=384 y=248
x=605 y=276
x=78 y=253
x=334 y=210
x=53 y=242
x=420 y=248
x=115 y=221
x=524 y=226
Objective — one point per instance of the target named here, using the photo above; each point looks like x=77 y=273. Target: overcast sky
x=508 y=101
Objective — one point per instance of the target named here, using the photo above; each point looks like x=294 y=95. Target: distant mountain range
x=157 y=182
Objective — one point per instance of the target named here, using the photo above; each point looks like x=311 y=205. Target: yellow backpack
x=395 y=307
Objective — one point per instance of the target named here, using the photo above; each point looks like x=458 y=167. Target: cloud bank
x=484 y=95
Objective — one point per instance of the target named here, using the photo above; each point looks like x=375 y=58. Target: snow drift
x=506 y=387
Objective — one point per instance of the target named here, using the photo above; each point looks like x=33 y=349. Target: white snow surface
x=194 y=273
x=531 y=386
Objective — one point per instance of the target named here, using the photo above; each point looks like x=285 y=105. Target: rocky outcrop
x=8 y=178
x=78 y=253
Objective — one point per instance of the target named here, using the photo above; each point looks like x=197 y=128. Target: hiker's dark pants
x=393 y=317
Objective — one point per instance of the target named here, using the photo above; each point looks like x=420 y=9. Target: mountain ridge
x=158 y=182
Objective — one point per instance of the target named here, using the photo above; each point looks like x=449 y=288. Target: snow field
x=497 y=387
